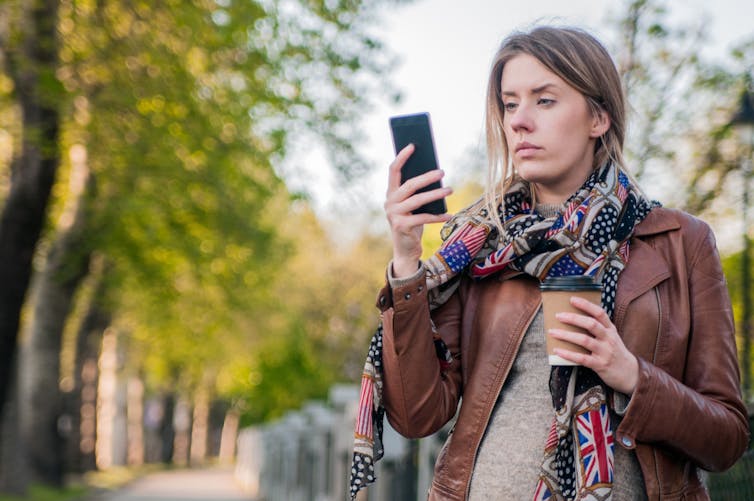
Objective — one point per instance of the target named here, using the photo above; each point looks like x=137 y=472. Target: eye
x=510 y=106
x=545 y=101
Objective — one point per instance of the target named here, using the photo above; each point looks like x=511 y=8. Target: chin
x=533 y=173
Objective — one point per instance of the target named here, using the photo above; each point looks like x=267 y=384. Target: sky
x=445 y=48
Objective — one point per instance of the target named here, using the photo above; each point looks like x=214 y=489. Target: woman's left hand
x=608 y=356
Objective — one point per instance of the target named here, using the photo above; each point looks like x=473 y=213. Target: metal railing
x=736 y=484
x=306 y=456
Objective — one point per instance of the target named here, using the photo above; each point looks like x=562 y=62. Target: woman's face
x=549 y=129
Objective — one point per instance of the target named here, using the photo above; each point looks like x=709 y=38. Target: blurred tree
x=732 y=266
x=717 y=177
x=323 y=318
x=81 y=378
x=183 y=109
x=52 y=295
x=671 y=143
x=29 y=52
x=658 y=62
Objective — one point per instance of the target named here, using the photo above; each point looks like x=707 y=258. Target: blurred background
x=191 y=236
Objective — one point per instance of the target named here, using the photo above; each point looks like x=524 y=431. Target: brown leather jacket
x=672 y=311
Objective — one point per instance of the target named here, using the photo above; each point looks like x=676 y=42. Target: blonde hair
x=581 y=61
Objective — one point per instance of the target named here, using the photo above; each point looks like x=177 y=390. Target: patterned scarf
x=589 y=237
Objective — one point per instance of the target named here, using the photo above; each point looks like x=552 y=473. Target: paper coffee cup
x=556 y=298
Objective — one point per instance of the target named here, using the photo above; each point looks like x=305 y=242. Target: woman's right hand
x=406 y=228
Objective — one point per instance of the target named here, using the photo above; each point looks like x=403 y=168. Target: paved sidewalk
x=215 y=484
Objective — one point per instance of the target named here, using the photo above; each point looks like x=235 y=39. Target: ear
x=600 y=124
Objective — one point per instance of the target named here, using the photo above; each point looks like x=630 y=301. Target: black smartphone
x=416 y=129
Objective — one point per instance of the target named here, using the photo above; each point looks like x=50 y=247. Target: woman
x=656 y=398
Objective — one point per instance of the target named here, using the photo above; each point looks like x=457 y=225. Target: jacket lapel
x=646 y=267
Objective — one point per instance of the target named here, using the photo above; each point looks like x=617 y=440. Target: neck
x=544 y=196
x=557 y=195
x=548 y=210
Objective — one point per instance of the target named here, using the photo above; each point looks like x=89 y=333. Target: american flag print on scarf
x=369 y=419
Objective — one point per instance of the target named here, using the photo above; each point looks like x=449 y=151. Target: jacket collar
x=659 y=220
x=646 y=266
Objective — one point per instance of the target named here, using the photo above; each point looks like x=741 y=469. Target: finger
x=400 y=216
x=572 y=356
x=397 y=206
x=394 y=176
x=589 y=324
x=417 y=200
x=426 y=218
x=591 y=309
x=415 y=184
x=582 y=359
x=586 y=341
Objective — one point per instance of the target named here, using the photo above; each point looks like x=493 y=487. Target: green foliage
x=320 y=319
x=186 y=110
x=733 y=269
x=287 y=370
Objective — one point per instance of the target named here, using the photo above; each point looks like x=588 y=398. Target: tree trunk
x=13 y=470
x=53 y=291
x=199 y=430
x=182 y=421
x=83 y=397
x=218 y=412
x=135 y=413
x=167 y=429
x=112 y=395
x=229 y=436
x=32 y=67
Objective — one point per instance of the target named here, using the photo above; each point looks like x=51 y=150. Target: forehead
x=524 y=72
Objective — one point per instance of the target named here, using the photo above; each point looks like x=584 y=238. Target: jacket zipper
x=499 y=386
x=654 y=362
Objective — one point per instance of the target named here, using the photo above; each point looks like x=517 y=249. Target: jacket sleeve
x=702 y=416
x=419 y=396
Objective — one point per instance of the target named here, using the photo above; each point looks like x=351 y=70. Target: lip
x=525 y=147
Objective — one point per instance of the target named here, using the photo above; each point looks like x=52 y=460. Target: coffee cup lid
x=571 y=282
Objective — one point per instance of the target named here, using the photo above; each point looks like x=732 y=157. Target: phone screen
x=416 y=129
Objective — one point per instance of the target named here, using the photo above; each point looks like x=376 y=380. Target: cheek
x=573 y=130
x=580 y=122
x=506 y=125
x=509 y=134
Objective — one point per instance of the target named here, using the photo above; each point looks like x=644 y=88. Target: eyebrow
x=535 y=90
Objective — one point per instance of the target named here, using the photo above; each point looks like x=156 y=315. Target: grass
x=80 y=488
x=118 y=476
x=43 y=493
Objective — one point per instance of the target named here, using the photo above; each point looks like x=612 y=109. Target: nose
x=521 y=120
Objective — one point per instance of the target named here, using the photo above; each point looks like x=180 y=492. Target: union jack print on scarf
x=595 y=446
x=543 y=492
